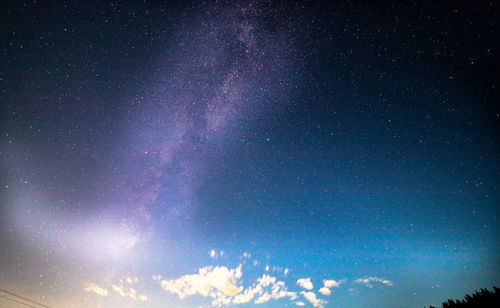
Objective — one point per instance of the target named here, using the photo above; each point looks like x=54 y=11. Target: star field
x=248 y=153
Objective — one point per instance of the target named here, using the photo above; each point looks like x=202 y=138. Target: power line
x=16 y=301
x=21 y=297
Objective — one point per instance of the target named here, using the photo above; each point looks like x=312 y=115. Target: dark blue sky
x=158 y=154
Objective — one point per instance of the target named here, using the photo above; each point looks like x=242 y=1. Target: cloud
x=214 y=254
x=325 y=291
x=221 y=284
x=208 y=278
x=131 y=280
x=278 y=290
x=258 y=288
x=331 y=283
x=311 y=297
x=327 y=284
x=266 y=280
x=92 y=287
x=118 y=290
x=264 y=298
x=267 y=288
x=156 y=277
x=300 y=304
x=305 y=283
x=368 y=281
x=129 y=292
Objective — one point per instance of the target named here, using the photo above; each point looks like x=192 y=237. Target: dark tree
x=484 y=298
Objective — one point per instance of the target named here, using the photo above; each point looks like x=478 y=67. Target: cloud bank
x=222 y=285
x=220 y=278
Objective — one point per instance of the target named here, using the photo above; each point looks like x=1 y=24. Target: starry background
x=312 y=139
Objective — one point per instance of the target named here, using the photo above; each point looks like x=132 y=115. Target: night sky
x=248 y=153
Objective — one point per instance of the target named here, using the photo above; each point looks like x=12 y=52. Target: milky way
x=222 y=69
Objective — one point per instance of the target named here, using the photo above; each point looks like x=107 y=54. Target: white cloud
x=305 y=283
x=266 y=280
x=221 y=284
x=248 y=294
x=368 y=281
x=118 y=290
x=131 y=280
x=132 y=294
x=208 y=278
x=325 y=291
x=331 y=283
x=327 y=284
x=220 y=299
x=129 y=292
x=267 y=268
x=311 y=297
x=214 y=254
x=286 y=271
x=300 y=304
x=278 y=290
x=264 y=298
x=94 y=288
x=156 y=277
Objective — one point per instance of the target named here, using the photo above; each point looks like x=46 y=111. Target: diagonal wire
x=21 y=297
x=16 y=301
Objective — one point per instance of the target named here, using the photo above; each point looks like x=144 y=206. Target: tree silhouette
x=484 y=298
